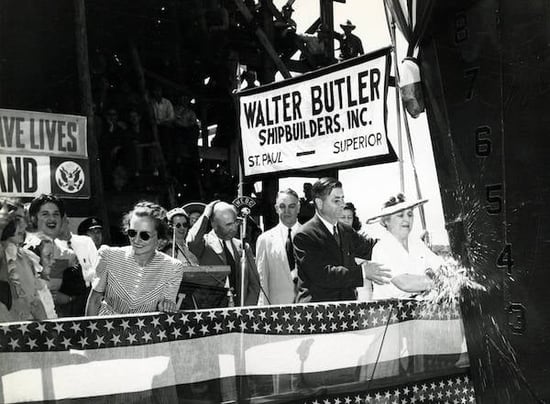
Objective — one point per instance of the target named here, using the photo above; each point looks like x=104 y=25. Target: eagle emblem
x=69 y=177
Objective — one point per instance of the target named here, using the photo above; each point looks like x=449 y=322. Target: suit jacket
x=275 y=274
x=328 y=272
x=208 y=249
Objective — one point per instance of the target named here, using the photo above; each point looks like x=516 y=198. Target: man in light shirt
x=275 y=253
x=162 y=108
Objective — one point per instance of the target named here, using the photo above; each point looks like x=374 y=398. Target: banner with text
x=43 y=153
x=333 y=116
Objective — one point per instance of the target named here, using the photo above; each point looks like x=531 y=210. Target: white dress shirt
x=390 y=252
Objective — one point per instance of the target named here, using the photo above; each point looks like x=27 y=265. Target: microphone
x=244 y=205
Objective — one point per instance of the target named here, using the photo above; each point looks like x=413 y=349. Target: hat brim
x=192 y=207
x=176 y=212
x=390 y=210
x=88 y=224
x=352 y=27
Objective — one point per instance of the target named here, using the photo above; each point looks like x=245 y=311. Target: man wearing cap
x=275 y=252
x=93 y=228
x=326 y=251
x=220 y=247
x=350 y=45
x=86 y=253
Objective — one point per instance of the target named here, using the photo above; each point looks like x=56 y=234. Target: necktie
x=336 y=235
x=290 y=250
x=229 y=260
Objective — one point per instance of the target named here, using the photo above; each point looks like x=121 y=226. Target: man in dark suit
x=220 y=247
x=326 y=251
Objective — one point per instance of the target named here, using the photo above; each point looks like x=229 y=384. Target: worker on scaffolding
x=350 y=44
x=285 y=33
x=314 y=48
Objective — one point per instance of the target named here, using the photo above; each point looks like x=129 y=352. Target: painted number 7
x=472 y=75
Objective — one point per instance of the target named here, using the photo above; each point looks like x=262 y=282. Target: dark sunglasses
x=178 y=225
x=11 y=207
x=144 y=235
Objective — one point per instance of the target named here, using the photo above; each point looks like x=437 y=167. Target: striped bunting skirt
x=394 y=351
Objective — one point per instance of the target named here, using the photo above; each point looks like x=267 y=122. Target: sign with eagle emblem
x=43 y=153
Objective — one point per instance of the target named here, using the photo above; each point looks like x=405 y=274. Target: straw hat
x=192 y=207
x=396 y=204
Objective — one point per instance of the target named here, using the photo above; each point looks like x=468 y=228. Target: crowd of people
x=129 y=148
x=46 y=271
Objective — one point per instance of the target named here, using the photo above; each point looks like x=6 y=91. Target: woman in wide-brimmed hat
x=408 y=257
x=194 y=211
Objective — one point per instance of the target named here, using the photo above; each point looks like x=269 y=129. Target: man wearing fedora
x=350 y=45
x=326 y=249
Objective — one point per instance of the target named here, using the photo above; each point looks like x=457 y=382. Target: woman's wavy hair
x=356 y=224
x=151 y=210
x=43 y=199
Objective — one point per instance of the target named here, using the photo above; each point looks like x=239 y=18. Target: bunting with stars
x=376 y=352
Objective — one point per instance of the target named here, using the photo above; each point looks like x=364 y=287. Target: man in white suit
x=275 y=254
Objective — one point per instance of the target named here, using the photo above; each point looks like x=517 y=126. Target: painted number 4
x=505 y=260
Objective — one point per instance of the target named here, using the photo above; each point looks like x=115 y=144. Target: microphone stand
x=173 y=242
x=243 y=204
x=244 y=211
